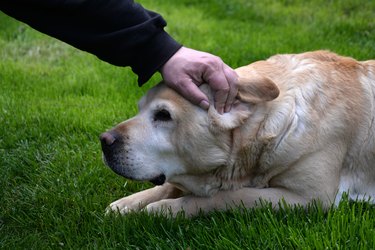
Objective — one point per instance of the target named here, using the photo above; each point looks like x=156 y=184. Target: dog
x=301 y=130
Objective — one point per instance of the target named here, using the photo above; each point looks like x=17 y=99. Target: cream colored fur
x=301 y=130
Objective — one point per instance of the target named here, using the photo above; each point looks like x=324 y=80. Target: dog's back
x=326 y=98
x=358 y=173
x=326 y=103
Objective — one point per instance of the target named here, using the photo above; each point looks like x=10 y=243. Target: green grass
x=55 y=101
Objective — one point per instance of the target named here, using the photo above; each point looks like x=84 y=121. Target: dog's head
x=170 y=136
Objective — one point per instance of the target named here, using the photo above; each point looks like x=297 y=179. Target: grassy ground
x=55 y=101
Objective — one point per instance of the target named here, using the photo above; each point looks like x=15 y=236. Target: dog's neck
x=253 y=146
x=237 y=173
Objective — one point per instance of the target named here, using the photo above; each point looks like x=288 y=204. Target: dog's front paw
x=163 y=207
x=173 y=207
x=124 y=206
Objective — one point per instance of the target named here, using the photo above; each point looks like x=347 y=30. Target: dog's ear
x=257 y=89
x=251 y=91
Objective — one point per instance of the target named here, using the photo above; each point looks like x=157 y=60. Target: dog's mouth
x=159 y=180
x=120 y=170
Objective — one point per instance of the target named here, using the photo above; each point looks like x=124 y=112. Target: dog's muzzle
x=112 y=146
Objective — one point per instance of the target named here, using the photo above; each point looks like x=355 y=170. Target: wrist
x=154 y=56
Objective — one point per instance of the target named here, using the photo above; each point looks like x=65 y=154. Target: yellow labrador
x=302 y=129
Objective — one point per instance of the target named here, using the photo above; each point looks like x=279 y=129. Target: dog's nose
x=107 y=139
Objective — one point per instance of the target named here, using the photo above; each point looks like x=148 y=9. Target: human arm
x=123 y=33
x=119 y=32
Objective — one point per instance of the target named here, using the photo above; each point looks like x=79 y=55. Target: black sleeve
x=119 y=32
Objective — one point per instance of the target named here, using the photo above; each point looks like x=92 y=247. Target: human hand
x=188 y=68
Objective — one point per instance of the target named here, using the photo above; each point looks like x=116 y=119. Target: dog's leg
x=224 y=200
x=139 y=200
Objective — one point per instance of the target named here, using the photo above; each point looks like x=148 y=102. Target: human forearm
x=120 y=32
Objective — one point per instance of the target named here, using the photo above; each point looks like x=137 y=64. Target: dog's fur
x=302 y=129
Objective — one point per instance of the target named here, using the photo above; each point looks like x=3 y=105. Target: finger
x=220 y=98
x=214 y=75
x=232 y=79
x=190 y=91
x=220 y=87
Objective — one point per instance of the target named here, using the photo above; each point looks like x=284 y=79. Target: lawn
x=56 y=100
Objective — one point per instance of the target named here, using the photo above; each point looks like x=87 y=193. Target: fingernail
x=204 y=104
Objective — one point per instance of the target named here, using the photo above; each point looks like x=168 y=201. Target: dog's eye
x=162 y=115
